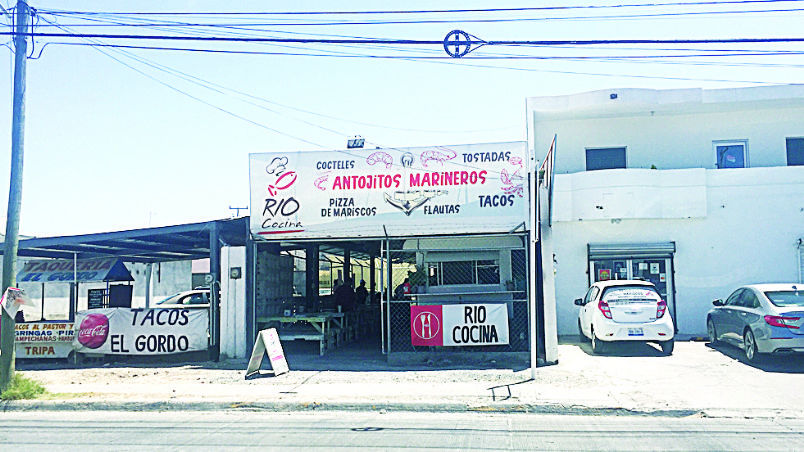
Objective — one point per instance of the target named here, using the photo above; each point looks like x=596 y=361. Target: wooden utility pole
x=11 y=241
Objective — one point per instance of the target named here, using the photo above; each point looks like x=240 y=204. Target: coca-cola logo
x=93 y=330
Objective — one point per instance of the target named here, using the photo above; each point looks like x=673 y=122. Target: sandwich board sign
x=267 y=342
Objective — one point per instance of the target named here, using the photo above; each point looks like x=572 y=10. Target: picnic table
x=316 y=326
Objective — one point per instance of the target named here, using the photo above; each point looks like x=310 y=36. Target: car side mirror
x=579 y=301
x=718 y=302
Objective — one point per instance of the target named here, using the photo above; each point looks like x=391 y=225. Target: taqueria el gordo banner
x=141 y=331
x=477 y=188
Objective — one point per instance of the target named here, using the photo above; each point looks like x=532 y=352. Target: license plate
x=635 y=332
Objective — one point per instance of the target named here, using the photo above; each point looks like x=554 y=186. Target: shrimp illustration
x=380 y=156
x=514 y=190
x=441 y=155
x=319 y=182
x=516 y=161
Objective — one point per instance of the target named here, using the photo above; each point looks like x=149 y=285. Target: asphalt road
x=305 y=431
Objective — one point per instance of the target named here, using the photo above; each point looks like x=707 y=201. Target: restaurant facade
x=427 y=248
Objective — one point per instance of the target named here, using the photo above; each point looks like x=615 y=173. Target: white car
x=624 y=310
x=190 y=299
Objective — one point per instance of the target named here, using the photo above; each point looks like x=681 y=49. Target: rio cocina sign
x=476 y=188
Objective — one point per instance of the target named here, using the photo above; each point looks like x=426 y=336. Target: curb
x=441 y=407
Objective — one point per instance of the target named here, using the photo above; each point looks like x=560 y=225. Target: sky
x=128 y=138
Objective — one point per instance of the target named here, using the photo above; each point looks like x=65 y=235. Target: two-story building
x=696 y=190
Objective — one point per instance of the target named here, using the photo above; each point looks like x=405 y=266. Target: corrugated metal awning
x=633 y=249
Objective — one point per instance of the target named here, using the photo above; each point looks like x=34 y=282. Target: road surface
x=327 y=431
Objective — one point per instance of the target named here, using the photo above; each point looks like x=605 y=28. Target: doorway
x=651 y=262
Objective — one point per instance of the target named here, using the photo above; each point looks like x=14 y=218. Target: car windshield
x=630 y=294
x=785 y=298
x=170 y=299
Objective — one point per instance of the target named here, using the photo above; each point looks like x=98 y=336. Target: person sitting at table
x=361 y=293
x=345 y=296
x=402 y=290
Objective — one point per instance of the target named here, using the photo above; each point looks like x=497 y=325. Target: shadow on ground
x=362 y=356
x=623 y=349
x=789 y=364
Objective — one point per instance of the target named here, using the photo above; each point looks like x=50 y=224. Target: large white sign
x=459 y=324
x=373 y=192
x=44 y=339
x=141 y=331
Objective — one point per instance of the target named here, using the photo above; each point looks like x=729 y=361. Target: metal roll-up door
x=631 y=250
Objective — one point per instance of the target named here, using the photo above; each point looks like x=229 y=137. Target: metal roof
x=162 y=244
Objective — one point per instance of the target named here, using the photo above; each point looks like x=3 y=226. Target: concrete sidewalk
x=633 y=379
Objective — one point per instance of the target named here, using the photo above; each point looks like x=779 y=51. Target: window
x=464 y=272
x=457 y=272
x=734 y=298
x=605 y=158
x=730 y=154
x=795 y=151
x=750 y=300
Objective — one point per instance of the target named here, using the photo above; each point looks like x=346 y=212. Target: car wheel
x=598 y=346
x=750 y=344
x=667 y=347
x=712 y=331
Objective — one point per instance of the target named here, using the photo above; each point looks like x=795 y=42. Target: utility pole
x=11 y=242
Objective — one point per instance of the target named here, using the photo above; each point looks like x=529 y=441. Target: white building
x=696 y=190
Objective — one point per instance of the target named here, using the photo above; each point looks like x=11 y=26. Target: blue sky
x=113 y=143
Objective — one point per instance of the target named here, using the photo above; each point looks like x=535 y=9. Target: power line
x=466 y=21
x=433 y=11
x=705 y=53
x=574 y=42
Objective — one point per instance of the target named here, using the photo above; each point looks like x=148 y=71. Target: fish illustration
x=408 y=201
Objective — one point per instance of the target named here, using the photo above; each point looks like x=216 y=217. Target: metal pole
x=148 y=272
x=11 y=243
x=532 y=269
x=388 y=294
x=382 y=311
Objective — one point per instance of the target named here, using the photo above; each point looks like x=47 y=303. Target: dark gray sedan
x=760 y=319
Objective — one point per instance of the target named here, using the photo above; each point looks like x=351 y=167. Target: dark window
x=488 y=272
x=464 y=272
x=734 y=298
x=605 y=158
x=458 y=272
x=795 y=151
x=750 y=300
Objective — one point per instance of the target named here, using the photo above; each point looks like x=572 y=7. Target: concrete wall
x=233 y=304
x=749 y=234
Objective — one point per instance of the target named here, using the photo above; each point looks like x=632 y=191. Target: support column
x=311 y=283
x=214 y=297
x=372 y=277
x=347 y=264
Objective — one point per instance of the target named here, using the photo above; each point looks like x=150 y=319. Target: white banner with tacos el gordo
x=473 y=188
x=122 y=331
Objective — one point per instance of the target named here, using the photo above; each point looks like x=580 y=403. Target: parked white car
x=189 y=299
x=624 y=310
